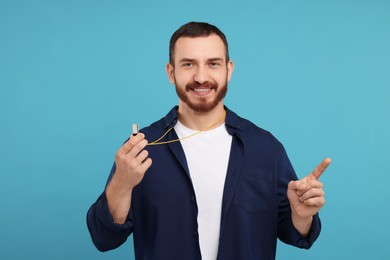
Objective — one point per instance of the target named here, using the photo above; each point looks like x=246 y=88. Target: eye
x=214 y=64
x=187 y=64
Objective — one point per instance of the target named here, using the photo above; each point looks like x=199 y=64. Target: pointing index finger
x=319 y=170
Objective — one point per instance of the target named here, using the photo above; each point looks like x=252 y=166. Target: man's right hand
x=131 y=162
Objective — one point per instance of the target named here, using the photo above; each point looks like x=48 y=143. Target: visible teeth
x=201 y=89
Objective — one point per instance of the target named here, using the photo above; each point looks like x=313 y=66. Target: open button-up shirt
x=163 y=214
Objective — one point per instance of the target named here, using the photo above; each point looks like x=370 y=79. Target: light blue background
x=74 y=76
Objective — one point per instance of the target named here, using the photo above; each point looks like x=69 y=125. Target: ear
x=230 y=68
x=170 y=72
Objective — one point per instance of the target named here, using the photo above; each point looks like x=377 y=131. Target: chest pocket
x=256 y=189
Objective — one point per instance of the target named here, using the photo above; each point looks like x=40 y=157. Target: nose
x=201 y=76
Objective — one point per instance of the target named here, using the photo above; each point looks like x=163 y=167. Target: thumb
x=293 y=185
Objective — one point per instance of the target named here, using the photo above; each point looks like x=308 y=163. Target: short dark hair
x=194 y=30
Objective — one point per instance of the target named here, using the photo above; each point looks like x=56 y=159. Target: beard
x=201 y=104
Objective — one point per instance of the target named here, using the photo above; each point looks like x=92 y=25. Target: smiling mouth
x=201 y=91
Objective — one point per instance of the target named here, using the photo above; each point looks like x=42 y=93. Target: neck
x=201 y=120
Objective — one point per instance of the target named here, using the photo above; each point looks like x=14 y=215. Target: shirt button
x=193 y=198
x=195 y=233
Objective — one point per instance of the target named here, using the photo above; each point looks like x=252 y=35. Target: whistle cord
x=157 y=142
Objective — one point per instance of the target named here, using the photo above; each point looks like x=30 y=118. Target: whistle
x=135 y=129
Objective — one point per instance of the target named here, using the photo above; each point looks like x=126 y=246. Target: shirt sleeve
x=106 y=234
x=286 y=230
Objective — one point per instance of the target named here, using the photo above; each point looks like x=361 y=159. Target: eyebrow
x=215 y=59
x=193 y=60
x=186 y=60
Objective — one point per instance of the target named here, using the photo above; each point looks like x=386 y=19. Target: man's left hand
x=306 y=195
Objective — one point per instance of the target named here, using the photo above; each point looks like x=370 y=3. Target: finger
x=303 y=187
x=312 y=193
x=293 y=185
x=146 y=164
x=299 y=185
x=137 y=148
x=130 y=143
x=319 y=170
x=316 y=202
x=141 y=157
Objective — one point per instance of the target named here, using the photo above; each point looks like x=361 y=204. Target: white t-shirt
x=207 y=155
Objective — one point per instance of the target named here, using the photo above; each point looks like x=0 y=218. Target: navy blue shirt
x=163 y=214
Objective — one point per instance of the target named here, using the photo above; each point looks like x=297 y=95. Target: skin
x=201 y=63
x=306 y=198
x=131 y=161
x=201 y=60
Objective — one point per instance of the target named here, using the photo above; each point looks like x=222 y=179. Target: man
x=218 y=187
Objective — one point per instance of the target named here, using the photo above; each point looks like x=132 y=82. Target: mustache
x=209 y=85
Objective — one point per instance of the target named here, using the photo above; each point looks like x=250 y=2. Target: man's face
x=200 y=72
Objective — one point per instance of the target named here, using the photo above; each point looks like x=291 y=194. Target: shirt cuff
x=103 y=213
x=314 y=232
